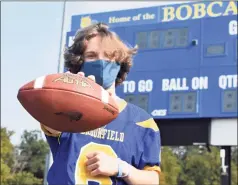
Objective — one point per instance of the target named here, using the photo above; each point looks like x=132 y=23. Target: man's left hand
x=99 y=163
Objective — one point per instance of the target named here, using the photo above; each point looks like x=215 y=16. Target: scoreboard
x=186 y=65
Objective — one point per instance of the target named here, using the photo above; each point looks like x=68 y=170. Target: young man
x=127 y=150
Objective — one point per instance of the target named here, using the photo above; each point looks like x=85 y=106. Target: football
x=68 y=102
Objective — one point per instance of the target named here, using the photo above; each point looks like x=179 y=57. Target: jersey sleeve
x=52 y=138
x=151 y=155
x=150 y=146
x=49 y=132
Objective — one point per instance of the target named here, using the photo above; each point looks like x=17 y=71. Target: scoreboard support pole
x=226 y=165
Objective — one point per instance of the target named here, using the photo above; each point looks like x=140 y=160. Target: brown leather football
x=68 y=102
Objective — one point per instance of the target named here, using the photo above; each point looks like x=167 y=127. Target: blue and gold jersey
x=133 y=137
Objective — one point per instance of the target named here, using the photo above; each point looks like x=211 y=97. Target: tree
x=170 y=167
x=234 y=166
x=201 y=167
x=5 y=173
x=7 y=148
x=162 y=179
x=234 y=154
x=26 y=168
x=234 y=171
x=7 y=159
x=33 y=150
x=24 y=178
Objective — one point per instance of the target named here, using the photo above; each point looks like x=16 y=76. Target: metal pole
x=61 y=38
x=46 y=168
x=226 y=165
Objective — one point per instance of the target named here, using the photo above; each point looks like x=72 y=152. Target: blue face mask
x=105 y=72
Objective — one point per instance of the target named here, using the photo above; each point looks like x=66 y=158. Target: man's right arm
x=49 y=131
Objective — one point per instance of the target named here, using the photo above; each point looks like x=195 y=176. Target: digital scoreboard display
x=186 y=66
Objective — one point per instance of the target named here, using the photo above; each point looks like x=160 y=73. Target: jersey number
x=81 y=174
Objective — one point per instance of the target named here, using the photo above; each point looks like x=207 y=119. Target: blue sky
x=30 y=47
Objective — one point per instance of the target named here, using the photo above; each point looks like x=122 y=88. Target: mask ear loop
x=118 y=63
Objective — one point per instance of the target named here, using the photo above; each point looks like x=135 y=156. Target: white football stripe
x=105 y=96
x=39 y=82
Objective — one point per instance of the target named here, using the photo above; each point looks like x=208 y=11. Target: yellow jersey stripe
x=152 y=168
x=150 y=123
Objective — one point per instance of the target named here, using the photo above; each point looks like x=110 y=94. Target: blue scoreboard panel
x=186 y=66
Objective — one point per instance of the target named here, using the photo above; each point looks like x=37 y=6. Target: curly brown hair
x=114 y=47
